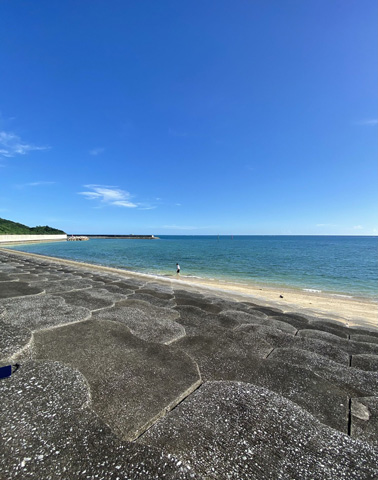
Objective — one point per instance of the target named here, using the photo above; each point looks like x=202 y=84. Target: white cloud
x=37 y=184
x=12 y=145
x=146 y=206
x=358 y=227
x=368 y=122
x=109 y=195
x=326 y=225
x=96 y=151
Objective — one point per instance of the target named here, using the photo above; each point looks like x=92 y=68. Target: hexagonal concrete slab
x=41 y=311
x=62 y=286
x=354 y=381
x=145 y=321
x=132 y=382
x=18 y=289
x=93 y=299
x=243 y=432
x=50 y=432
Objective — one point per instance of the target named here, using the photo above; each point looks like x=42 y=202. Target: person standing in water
x=177 y=268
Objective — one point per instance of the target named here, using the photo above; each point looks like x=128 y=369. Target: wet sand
x=351 y=311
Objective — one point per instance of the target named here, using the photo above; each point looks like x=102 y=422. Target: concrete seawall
x=4 y=239
x=118 y=375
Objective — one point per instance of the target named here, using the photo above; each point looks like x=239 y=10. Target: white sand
x=350 y=311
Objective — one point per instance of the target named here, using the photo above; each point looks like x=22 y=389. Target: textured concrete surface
x=364 y=420
x=128 y=377
x=42 y=311
x=62 y=286
x=352 y=380
x=278 y=338
x=365 y=362
x=49 y=431
x=119 y=371
x=146 y=321
x=258 y=318
x=235 y=430
x=93 y=299
x=18 y=289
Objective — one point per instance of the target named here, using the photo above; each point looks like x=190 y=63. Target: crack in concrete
x=270 y=353
x=166 y=410
x=350 y=417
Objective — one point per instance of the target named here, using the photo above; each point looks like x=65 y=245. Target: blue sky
x=189 y=117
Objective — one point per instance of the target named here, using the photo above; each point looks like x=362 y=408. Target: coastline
x=348 y=311
x=113 y=372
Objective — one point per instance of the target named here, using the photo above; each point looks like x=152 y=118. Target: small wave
x=343 y=296
x=312 y=290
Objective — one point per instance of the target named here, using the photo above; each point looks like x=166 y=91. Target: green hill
x=7 y=227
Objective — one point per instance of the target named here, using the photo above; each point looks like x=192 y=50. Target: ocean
x=335 y=264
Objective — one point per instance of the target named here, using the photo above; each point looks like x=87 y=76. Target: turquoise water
x=344 y=265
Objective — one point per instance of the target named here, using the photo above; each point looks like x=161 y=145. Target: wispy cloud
x=12 y=145
x=34 y=184
x=326 y=225
x=108 y=195
x=96 y=151
x=38 y=184
x=146 y=206
x=358 y=227
x=371 y=122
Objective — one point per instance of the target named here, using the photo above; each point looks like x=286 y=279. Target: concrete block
x=252 y=319
x=93 y=299
x=365 y=362
x=145 y=321
x=50 y=432
x=364 y=420
x=244 y=432
x=353 y=381
x=18 y=289
x=132 y=382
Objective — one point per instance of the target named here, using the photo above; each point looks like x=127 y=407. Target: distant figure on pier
x=177 y=268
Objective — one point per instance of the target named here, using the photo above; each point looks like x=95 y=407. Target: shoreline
x=348 y=311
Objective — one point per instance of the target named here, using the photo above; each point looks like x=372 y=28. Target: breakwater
x=133 y=237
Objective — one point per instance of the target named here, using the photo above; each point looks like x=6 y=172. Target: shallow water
x=342 y=265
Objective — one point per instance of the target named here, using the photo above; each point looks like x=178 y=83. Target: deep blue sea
x=343 y=265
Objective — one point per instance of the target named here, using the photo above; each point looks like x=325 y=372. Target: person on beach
x=177 y=268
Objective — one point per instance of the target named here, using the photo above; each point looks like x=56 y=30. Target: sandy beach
x=348 y=310
x=351 y=311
